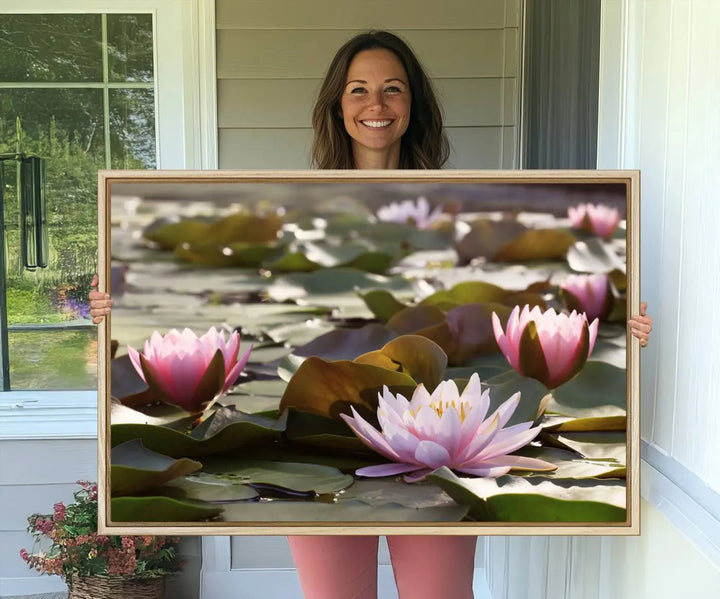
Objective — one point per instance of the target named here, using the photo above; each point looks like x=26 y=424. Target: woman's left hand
x=641 y=325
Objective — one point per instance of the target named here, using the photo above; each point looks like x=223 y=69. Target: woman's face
x=375 y=103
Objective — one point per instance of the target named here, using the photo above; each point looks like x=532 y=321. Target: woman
x=376 y=110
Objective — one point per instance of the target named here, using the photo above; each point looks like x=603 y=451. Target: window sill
x=48 y=415
x=683 y=498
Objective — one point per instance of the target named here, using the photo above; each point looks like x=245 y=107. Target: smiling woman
x=376 y=97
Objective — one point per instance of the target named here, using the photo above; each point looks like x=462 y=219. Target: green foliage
x=77 y=550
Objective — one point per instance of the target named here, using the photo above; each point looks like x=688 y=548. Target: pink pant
x=345 y=567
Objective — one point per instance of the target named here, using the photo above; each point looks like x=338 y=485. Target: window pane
x=130 y=47
x=64 y=126
x=53 y=359
x=132 y=128
x=73 y=115
x=50 y=48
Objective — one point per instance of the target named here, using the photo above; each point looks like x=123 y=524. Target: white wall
x=659 y=112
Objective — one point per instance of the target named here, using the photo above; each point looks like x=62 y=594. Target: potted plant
x=95 y=565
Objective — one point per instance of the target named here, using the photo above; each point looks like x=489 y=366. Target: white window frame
x=186 y=132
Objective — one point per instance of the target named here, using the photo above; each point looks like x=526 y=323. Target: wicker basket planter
x=116 y=587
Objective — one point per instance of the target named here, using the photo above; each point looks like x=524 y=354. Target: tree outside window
x=77 y=90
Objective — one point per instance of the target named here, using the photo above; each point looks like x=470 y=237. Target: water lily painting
x=380 y=352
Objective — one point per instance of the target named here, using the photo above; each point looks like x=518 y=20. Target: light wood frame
x=108 y=181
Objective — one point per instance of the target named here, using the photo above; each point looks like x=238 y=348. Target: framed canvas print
x=369 y=352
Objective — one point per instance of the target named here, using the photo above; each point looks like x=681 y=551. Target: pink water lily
x=409 y=212
x=591 y=294
x=598 y=219
x=546 y=346
x=445 y=428
x=188 y=371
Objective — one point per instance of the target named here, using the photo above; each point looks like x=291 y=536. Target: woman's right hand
x=100 y=302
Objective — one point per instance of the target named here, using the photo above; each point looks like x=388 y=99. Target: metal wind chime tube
x=33 y=236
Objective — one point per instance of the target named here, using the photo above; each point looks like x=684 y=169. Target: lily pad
x=380 y=492
x=594 y=256
x=417 y=356
x=329 y=281
x=295 y=476
x=382 y=303
x=486 y=237
x=467 y=331
x=208 y=487
x=347 y=344
x=536 y=244
x=320 y=432
x=169 y=235
x=340 y=511
x=243 y=255
x=247 y=431
x=517 y=499
x=161 y=509
x=532 y=393
x=135 y=468
x=330 y=388
x=570 y=466
x=597 y=393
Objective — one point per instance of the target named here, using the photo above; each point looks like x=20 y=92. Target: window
x=78 y=91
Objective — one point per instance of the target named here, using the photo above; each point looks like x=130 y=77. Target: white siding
x=271 y=58
x=659 y=85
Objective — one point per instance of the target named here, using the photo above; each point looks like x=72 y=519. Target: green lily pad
x=532 y=393
x=208 y=487
x=330 y=388
x=135 y=468
x=169 y=235
x=340 y=511
x=417 y=356
x=467 y=292
x=285 y=475
x=596 y=394
x=246 y=431
x=239 y=254
x=161 y=509
x=380 y=492
x=321 y=432
x=518 y=499
x=536 y=244
x=486 y=366
x=382 y=303
x=328 y=281
x=570 y=466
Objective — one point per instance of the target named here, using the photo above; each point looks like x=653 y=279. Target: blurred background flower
x=598 y=219
x=417 y=213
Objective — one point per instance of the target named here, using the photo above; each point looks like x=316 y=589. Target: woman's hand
x=100 y=303
x=641 y=325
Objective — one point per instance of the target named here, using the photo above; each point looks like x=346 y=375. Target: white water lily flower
x=446 y=428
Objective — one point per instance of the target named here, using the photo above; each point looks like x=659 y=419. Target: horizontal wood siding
x=368 y=14
x=271 y=58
